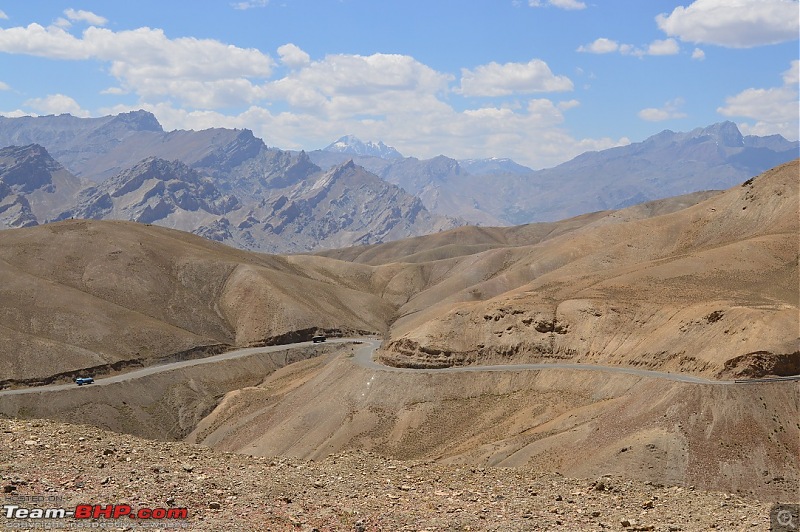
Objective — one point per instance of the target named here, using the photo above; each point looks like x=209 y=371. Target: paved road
x=364 y=357
x=150 y=370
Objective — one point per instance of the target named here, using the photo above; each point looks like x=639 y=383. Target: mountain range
x=228 y=185
x=501 y=192
x=222 y=184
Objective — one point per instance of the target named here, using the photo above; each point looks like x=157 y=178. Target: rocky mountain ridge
x=493 y=192
x=501 y=192
x=33 y=186
x=272 y=201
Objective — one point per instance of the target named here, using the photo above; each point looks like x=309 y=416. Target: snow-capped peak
x=353 y=145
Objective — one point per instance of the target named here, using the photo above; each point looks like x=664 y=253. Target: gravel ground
x=46 y=464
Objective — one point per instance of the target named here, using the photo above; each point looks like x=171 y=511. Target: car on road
x=80 y=381
x=318 y=338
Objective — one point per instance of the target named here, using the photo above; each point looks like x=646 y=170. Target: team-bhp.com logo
x=94 y=511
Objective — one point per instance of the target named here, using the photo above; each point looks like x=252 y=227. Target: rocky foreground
x=67 y=465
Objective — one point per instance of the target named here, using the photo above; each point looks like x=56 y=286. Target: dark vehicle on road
x=318 y=338
x=80 y=381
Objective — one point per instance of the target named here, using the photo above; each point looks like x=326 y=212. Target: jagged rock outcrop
x=33 y=186
x=154 y=190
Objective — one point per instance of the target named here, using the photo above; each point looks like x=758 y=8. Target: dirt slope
x=84 y=294
x=87 y=294
x=735 y=438
x=349 y=491
x=710 y=289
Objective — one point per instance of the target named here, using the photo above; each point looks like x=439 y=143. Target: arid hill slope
x=707 y=287
x=742 y=438
x=350 y=491
x=85 y=294
x=710 y=289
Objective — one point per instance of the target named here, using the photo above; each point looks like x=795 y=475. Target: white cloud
x=52 y=42
x=399 y=100
x=531 y=135
x=733 y=23
x=292 y=56
x=569 y=104
x=115 y=91
x=561 y=4
x=665 y=47
x=4 y=86
x=698 y=54
x=187 y=82
x=250 y=4
x=512 y=78
x=349 y=85
x=792 y=76
x=57 y=104
x=17 y=113
x=775 y=110
x=85 y=16
x=3 y=15
x=604 y=45
x=670 y=110
x=199 y=72
x=601 y=45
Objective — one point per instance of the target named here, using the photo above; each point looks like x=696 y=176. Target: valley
x=624 y=345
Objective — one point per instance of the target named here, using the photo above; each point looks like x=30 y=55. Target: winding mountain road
x=150 y=370
x=364 y=358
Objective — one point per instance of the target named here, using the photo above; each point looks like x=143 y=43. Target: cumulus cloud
x=600 y=45
x=561 y=4
x=733 y=23
x=792 y=76
x=80 y=15
x=3 y=15
x=17 y=113
x=670 y=110
x=292 y=56
x=698 y=54
x=57 y=104
x=512 y=78
x=663 y=47
x=201 y=72
x=194 y=83
x=604 y=45
x=342 y=85
x=531 y=134
x=774 y=110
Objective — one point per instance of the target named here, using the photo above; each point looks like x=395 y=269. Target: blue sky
x=539 y=81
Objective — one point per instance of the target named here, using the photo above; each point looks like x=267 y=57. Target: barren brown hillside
x=89 y=294
x=353 y=491
x=711 y=289
x=742 y=438
x=707 y=288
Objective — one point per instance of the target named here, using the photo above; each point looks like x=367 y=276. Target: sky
x=538 y=81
